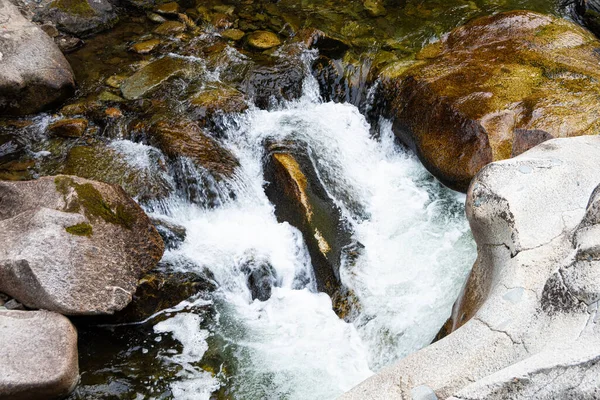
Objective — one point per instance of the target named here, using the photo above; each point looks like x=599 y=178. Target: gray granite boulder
x=526 y=324
x=73 y=246
x=39 y=355
x=34 y=74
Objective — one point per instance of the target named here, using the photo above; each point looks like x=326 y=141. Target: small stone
x=233 y=34
x=68 y=44
x=188 y=22
x=170 y=28
x=223 y=9
x=153 y=75
x=146 y=46
x=115 y=81
x=108 y=96
x=221 y=21
x=159 y=19
x=263 y=40
x=13 y=305
x=112 y=112
x=171 y=8
x=70 y=128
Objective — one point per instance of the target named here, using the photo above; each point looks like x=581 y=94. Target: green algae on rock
x=493 y=89
x=106 y=164
x=81 y=229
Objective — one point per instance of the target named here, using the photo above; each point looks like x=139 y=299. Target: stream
x=417 y=253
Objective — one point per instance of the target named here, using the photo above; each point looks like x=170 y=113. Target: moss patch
x=93 y=203
x=83 y=229
x=77 y=7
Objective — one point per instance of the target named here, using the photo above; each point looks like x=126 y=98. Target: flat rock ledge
x=529 y=311
x=38 y=353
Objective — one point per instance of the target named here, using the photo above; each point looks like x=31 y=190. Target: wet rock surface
x=34 y=74
x=39 y=355
x=299 y=199
x=79 y=17
x=528 y=315
x=73 y=246
x=493 y=88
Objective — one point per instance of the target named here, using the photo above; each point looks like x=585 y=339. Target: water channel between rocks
x=416 y=253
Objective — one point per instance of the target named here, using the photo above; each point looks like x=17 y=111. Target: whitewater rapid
x=417 y=253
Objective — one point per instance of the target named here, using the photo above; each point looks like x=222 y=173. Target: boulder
x=528 y=325
x=39 y=355
x=34 y=74
x=73 y=246
x=79 y=17
x=299 y=198
x=494 y=88
x=220 y=99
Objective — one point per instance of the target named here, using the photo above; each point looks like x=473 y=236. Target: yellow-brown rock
x=145 y=47
x=70 y=128
x=263 y=40
x=493 y=89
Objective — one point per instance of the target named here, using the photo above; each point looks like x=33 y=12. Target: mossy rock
x=262 y=40
x=233 y=34
x=106 y=164
x=153 y=75
x=170 y=28
x=217 y=100
x=184 y=138
x=79 y=17
x=493 y=89
x=146 y=46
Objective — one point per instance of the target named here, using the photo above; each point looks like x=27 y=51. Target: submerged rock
x=527 y=319
x=34 y=74
x=217 y=100
x=72 y=245
x=294 y=188
x=262 y=40
x=39 y=355
x=493 y=89
x=159 y=291
x=79 y=17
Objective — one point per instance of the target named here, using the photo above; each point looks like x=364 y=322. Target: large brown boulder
x=34 y=74
x=73 y=246
x=39 y=355
x=494 y=88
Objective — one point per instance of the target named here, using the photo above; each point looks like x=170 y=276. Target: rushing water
x=417 y=253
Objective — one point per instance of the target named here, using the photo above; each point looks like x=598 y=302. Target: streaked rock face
x=493 y=89
x=73 y=246
x=34 y=74
x=527 y=319
x=39 y=355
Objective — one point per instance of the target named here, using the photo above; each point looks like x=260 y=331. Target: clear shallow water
x=417 y=254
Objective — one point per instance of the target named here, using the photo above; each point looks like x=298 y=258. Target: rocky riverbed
x=255 y=199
